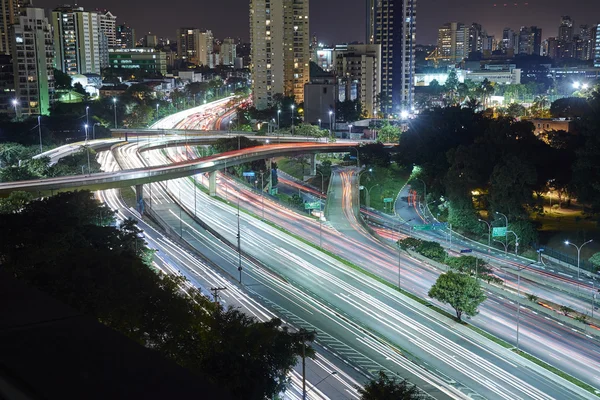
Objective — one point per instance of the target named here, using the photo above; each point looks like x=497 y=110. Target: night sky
x=338 y=21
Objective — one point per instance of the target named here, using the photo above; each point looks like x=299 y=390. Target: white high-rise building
x=77 y=40
x=9 y=15
x=205 y=48
x=108 y=25
x=228 y=51
x=33 y=57
x=280 y=37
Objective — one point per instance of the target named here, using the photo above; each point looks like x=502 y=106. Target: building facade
x=194 y=45
x=77 y=40
x=360 y=64
x=9 y=15
x=228 y=51
x=108 y=26
x=596 y=45
x=125 y=37
x=280 y=37
x=453 y=42
x=530 y=40
x=33 y=58
x=395 y=29
x=146 y=59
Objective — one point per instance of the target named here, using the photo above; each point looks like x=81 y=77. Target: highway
x=385 y=312
x=172 y=258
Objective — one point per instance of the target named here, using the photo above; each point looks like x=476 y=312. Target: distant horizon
x=341 y=21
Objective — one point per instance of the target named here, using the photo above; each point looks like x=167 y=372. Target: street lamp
x=399 y=258
x=239 y=239
x=368 y=199
x=87 y=147
x=519 y=301
x=319 y=123
x=94 y=130
x=330 y=124
x=349 y=130
x=321 y=209
x=15 y=103
x=87 y=115
x=278 y=112
x=576 y=85
x=293 y=119
x=489 y=231
x=578 y=252
x=115 y=109
x=156 y=110
x=358 y=184
x=40 y=131
x=506 y=232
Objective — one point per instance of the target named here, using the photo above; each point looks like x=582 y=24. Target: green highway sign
x=388 y=200
x=425 y=227
x=312 y=206
x=499 y=232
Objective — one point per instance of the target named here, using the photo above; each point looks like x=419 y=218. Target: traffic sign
x=440 y=224
x=353 y=157
x=388 y=200
x=466 y=251
x=499 y=232
x=312 y=206
x=425 y=227
x=249 y=174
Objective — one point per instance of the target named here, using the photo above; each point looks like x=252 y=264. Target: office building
x=139 y=58
x=453 y=42
x=360 y=64
x=108 y=26
x=371 y=23
x=9 y=15
x=33 y=57
x=596 y=44
x=150 y=40
x=228 y=51
x=280 y=54
x=77 y=40
x=7 y=85
x=530 y=40
x=509 y=38
x=195 y=46
x=205 y=48
x=565 y=30
x=125 y=37
x=476 y=37
x=395 y=27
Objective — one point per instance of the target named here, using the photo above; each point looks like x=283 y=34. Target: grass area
x=128 y=196
x=293 y=168
x=389 y=181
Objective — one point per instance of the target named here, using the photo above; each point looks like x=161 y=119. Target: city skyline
x=348 y=21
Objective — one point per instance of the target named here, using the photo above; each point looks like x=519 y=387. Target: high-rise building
x=565 y=30
x=77 y=40
x=371 y=22
x=476 y=38
x=33 y=57
x=194 y=45
x=395 y=30
x=108 y=26
x=530 y=40
x=453 y=42
x=150 y=40
x=228 y=51
x=125 y=37
x=554 y=48
x=280 y=36
x=508 y=39
x=9 y=15
x=360 y=64
x=596 y=33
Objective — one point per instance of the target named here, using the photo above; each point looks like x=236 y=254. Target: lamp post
x=330 y=124
x=358 y=184
x=518 y=304
x=40 y=131
x=87 y=115
x=349 y=130
x=15 y=103
x=239 y=239
x=321 y=210
x=516 y=242
x=87 y=147
x=115 y=110
x=278 y=112
x=489 y=231
x=94 y=130
x=293 y=106
x=368 y=199
x=578 y=252
x=506 y=233
x=157 y=111
x=262 y=193
x=399 y=258
x=319 y=123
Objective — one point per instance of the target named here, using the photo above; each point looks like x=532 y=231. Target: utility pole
x=216 y=291
x=239 y=238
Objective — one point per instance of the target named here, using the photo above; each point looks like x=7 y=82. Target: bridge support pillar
x=212 y=183
x=139 y=198
x=313 y=164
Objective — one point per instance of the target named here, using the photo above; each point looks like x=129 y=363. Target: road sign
x=440 y=224
x=540 y=250
x=499 y=232
x=353 y=157
x=466 y=251
x=388 y=200
x=312 y=206
x=425 y=227
x=249 y=174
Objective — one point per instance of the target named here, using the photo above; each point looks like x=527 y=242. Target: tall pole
x=278 y=112
x=399 y=256
x=262 y=192
x=303 y=369
x=321 y=210
x=239 y=238
x=518 y=305
x=578 y=253
x=40 y=131
x=506 y=233
x=195 y=184
x=87 y=147
x=115 y=109
x=330 y=124
x=87 y=115
x=489 y=231
x=293 y=119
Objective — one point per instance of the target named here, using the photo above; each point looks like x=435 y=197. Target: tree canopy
x=462 y=292
x=389 y=388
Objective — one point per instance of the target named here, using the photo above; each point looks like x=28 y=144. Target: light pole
x=358 y=184
x=40 y=131
x=578 y=252
x=357 y=156
x=506 y=233
x=15 y=103
x=94 y=130
x=262 y=193
x=516 y=242
x=157 y=111
x=319 y=123
x=399 y=257
x=330 y=124
x=368 y=199
x=293 y=106
x=87 y=115
x=321 y=210
x=349 y=131
x=489 y=231
x=518 y=304
x=87 y=147
x=239 y=239
x=278 y=112
x=115 y=110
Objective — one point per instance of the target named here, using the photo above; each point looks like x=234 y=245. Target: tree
x=388 y=133
x=309 y=130
x=516 y=110
x=349 y=110
x=451 y=85
x=385 y=388
x=61 y=80
x=595 y=260
x=461 y=291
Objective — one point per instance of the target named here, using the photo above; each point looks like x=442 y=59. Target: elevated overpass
x=138 y=177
